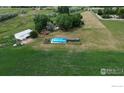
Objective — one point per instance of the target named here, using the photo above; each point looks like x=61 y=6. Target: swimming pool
x=59 y=40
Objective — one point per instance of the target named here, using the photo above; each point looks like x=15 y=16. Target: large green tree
x=100 y=12
x=76 y=20
x=64 y=21
x=40 y=22
x=121 y=13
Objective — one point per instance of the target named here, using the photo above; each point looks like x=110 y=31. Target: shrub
x=40 y=22
x=121 y=13
x=63 y=9
x=23 y=12
x=109 y=11
x=76 y=20
x=106 y=16
x=64 y=21
x=100 y=12
x=7 y=16
x=33 y=34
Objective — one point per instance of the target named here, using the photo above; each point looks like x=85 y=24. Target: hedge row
x=7 y=16
x=105 y=13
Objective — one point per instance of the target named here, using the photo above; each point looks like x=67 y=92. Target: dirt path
x=91 y=21
x=105 y=36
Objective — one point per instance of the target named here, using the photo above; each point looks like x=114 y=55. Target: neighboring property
x=23 y=35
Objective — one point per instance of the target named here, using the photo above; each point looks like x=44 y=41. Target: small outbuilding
x=23 y=35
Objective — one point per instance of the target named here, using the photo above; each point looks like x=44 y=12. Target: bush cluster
x=63 y=9
x=105 y=13
x=66 y=21
x=7 y=16
x=33 y=34
x=106 y=16
x=76 y=20
x=100 y=12
x=121 y=13
x=40 y=22
x=23 y=11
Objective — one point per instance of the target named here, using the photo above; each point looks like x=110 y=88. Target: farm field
x=101 y=47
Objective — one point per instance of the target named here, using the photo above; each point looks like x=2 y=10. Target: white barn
x=23 y=35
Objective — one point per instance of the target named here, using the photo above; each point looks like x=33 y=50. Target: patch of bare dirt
x=27 y=41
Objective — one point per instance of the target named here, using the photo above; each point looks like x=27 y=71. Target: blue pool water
x=59 y=40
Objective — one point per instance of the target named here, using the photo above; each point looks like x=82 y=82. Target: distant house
x=23 y=35
x=58 y=40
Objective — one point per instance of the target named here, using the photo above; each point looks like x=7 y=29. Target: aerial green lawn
x=25 y=60
x=116 y=27
x=117 y=30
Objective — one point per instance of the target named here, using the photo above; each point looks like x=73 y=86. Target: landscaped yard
x=101 y=47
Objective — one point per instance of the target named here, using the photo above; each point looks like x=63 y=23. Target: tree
x=121 y=13
x=23 y=12
x=76 y=20
x=7 y=16
x=64 y=21
x=100 y=12
x=63 y=9
x=116 y=10
x=109 y=11
x=33 y=34
x=40 y=22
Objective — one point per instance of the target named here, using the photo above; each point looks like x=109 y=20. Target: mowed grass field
x=96 y=51
x=27 y=61
x=117 y=30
